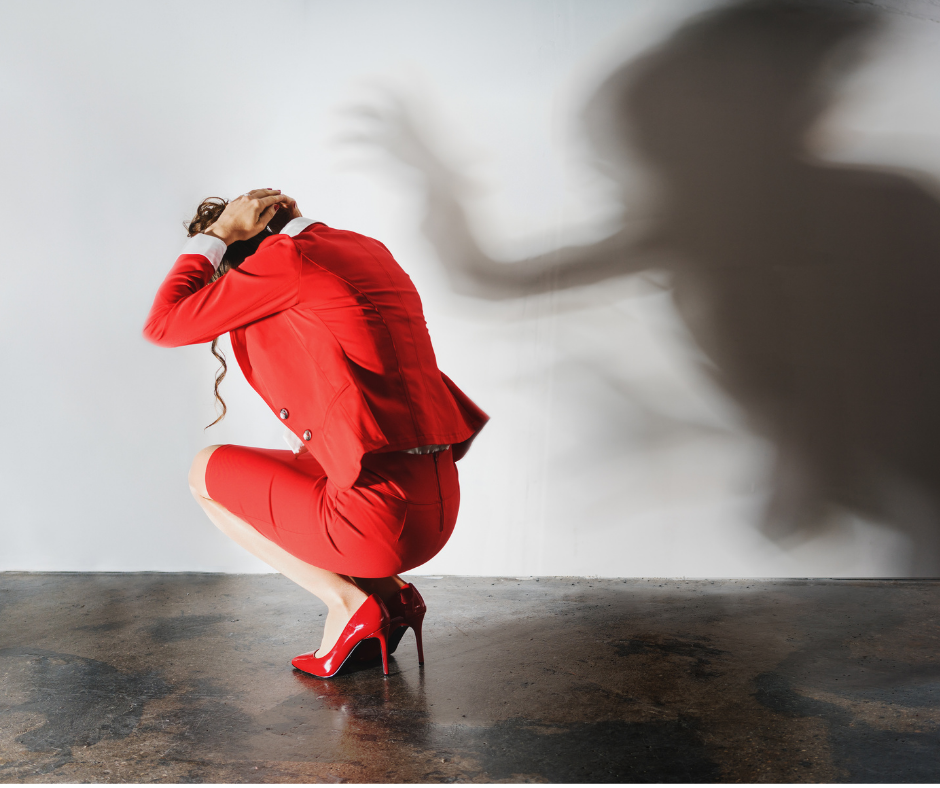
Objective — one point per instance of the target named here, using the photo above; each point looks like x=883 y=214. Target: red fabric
x=327 y=326
x=397 y=516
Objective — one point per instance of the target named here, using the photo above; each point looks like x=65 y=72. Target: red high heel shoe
x=371 y=620
x=407 y=609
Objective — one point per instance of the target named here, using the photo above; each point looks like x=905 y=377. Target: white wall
x=120 y=117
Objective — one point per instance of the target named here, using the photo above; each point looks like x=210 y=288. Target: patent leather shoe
x=371 y=620
x=407 y=609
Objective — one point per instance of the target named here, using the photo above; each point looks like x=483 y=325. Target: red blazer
x=330 y=331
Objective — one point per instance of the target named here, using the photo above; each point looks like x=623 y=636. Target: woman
x=329 y=330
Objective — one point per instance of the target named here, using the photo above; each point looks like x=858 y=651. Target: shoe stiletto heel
x=407 y=609
x=416 y=626
x=371 y=620
x=382 y=637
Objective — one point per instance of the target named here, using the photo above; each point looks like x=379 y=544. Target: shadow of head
x=733 y=88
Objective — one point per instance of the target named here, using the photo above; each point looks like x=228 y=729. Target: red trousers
x=399 y=514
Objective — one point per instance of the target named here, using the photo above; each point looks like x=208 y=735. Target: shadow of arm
x=472 y=272
x=395 y=129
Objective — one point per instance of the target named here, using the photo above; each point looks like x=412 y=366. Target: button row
x=284 y=414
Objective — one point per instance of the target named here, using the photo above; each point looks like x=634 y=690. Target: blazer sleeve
x=187 y=311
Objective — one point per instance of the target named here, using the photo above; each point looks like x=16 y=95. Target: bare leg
x=341 y=595
x=383 y=587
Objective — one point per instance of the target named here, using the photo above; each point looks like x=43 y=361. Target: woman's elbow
x=156 y=334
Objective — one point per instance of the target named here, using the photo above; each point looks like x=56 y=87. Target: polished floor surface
x=187 y=678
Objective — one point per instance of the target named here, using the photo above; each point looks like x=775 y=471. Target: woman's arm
x=187 y=310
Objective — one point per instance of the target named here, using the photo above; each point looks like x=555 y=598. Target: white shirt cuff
x=295 y=443
x=208 y=246
x=297 y=225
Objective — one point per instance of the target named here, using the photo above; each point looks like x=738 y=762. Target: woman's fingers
x=288 y=204
x=264 y=202
x=258 y=193
x=265 y=197
x=268 y=213
x=249 y=213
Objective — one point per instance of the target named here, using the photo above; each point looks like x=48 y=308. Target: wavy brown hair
x=207 y=214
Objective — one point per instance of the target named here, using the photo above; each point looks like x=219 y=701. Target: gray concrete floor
x=187 y=678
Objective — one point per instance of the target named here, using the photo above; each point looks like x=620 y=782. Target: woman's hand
x=247 y=215
x=287 y=210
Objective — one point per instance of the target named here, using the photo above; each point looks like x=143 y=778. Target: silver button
x=284 y=414
x=308 y=435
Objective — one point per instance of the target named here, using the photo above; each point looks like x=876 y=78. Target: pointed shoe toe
x=371 y=620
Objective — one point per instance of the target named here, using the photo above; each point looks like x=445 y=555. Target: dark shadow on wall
x=812 y=288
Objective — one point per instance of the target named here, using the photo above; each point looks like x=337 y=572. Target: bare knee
x=197 y=472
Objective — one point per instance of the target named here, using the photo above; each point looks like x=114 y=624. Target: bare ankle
x=347 y=601
x=364 y=583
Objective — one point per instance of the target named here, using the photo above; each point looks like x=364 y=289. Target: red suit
x=330 y=331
